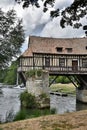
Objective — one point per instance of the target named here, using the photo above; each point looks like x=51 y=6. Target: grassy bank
x=68 y=121
x=33 y=113
x=64 y=88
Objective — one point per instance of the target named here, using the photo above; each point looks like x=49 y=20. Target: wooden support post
x=72 y=81
x=53 y=80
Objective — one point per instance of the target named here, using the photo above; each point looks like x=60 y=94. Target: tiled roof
x=49 y=45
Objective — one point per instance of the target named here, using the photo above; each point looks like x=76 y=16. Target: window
x=86 y=47
x=61 y=62
x=69 y=50
x=59 y=49
x=47 y=61
x=84 y=62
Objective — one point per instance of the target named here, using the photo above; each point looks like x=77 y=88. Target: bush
x=39 y=72
x=30 y=73
x=28 y=100
x=62 y=79
x=53 y=110
x=21 y=115
x=66 y=80
x=43 y=96
x=31 y=113
x=1 y=128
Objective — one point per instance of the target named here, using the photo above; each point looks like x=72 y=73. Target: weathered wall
x=38 y=85
x=81 y=95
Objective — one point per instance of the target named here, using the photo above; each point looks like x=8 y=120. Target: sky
x=37 y=23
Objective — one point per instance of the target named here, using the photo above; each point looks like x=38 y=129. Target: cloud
x=53 y=29
x=62 y=4
x=36 y=22
x=7 y=4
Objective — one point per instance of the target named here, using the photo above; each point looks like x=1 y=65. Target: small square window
x=59 y=49
x=69 y=50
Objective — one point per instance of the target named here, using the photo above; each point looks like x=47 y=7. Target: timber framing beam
x=69 y=77
x=53 y=80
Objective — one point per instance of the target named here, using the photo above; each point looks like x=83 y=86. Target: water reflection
x=63 y=104
x=81 y=106
x=1 y=92
x=9 y=102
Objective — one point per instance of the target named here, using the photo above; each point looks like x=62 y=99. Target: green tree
x=69 y=16
x=10 y=76
x=11 y=36
x=59 y=79
x=62 y=79
x=2 y=75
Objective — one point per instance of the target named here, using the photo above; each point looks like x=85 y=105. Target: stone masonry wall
x=38 y=85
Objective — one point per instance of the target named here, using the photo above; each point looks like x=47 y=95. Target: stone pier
x=81 y=95
x=39 y=87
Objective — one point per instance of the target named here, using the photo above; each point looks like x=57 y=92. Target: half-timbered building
x=57 y=55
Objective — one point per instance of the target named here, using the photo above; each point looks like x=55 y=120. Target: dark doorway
x=47 y=61
x=75 y=65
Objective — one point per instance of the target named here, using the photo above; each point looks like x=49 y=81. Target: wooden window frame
x=59 y=49
x=84 y=62
x=61 y=62
x=69 y=50
x=47 y=61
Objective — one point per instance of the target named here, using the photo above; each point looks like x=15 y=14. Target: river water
x=10 y=103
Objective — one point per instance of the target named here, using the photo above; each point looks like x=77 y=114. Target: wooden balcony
x=57 y=70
